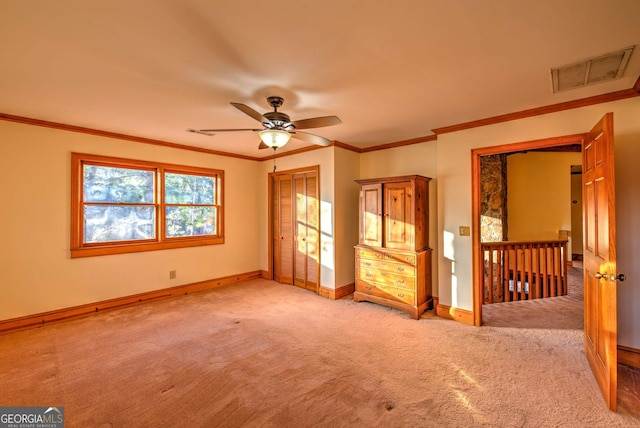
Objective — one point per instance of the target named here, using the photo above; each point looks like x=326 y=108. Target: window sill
x=136 y=248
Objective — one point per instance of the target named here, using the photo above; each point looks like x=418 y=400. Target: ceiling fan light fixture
x=274 y=138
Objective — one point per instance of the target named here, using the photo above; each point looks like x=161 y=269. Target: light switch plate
x=465 y=230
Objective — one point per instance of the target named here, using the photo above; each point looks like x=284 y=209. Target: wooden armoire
x=296 y=228
x=393 y=258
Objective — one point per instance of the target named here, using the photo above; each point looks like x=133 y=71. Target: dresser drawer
x=401 y=268
x=379 y=290
x=367 y=253
x=406 y=296
x=369 y=287
x=409 y=259
x=369 y=263
x=370 y=275
x=388 y=278
x=386 y=292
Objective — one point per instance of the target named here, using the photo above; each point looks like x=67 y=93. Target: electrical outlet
x=465 y=230
x=172 y=274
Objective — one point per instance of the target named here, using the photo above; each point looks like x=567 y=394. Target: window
x=122 y=206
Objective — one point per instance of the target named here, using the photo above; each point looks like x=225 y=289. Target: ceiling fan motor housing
x=277 y=120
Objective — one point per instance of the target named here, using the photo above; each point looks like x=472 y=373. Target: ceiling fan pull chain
x=274 y=159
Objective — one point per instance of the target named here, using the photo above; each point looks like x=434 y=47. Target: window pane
x=190 y=221
x=118 y=223
x=119 y=185
x=189 y=189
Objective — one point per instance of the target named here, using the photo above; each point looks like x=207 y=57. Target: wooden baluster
x=529 y=264
x=485 y=270
x=538 y=272
x=527 y=271
x=554 y=278
x=522 y=276
x=513 y=255
x=505 y=282
x=565 y=285
x=500 y=272
x=490 y=286
x=545 y=272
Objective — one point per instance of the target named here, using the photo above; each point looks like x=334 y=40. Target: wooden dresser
x=393 y=259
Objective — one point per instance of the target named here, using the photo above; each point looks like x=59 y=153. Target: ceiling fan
x=278 y=127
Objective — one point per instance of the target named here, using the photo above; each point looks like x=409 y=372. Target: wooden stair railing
x=524 y=270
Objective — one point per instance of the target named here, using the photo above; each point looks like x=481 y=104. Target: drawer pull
x=367 y=263
x=400 y=295
x=401 y=268
x=368 y=275
x=409 y=259
x=400 y=281
x=377 y=255
x=368 y=287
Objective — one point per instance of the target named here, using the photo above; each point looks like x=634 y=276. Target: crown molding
x=116 y=135
x=538 y=111
x=400 y=143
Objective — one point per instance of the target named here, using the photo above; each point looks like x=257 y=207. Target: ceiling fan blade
x=224 y=130
x=316 y=122
x=311 y=138
x=251 y=112
x=201 y=131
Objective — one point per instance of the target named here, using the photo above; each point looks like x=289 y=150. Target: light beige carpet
x=261 y=354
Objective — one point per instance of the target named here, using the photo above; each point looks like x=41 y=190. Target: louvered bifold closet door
x=313 y=232
x=306 y=231
x=283 y=266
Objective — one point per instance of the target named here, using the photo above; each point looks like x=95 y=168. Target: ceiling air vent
x=591 y=71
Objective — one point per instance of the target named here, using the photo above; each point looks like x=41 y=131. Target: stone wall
x=493 y=198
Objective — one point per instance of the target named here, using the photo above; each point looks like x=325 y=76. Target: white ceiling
x=391 y=70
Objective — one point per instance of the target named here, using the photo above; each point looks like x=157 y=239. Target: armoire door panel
x=371 y=215
x=398 y=221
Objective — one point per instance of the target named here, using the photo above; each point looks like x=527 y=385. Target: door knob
x=620 y=277
x=601 y=275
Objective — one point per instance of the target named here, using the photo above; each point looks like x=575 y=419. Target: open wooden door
x=600 y=305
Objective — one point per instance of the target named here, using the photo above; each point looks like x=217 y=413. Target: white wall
x=454 y=198
x=347 y=170
x=38 y=274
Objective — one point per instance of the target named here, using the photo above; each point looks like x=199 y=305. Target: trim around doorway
x=476 y=154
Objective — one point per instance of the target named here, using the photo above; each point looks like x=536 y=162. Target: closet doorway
x=294 y=227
